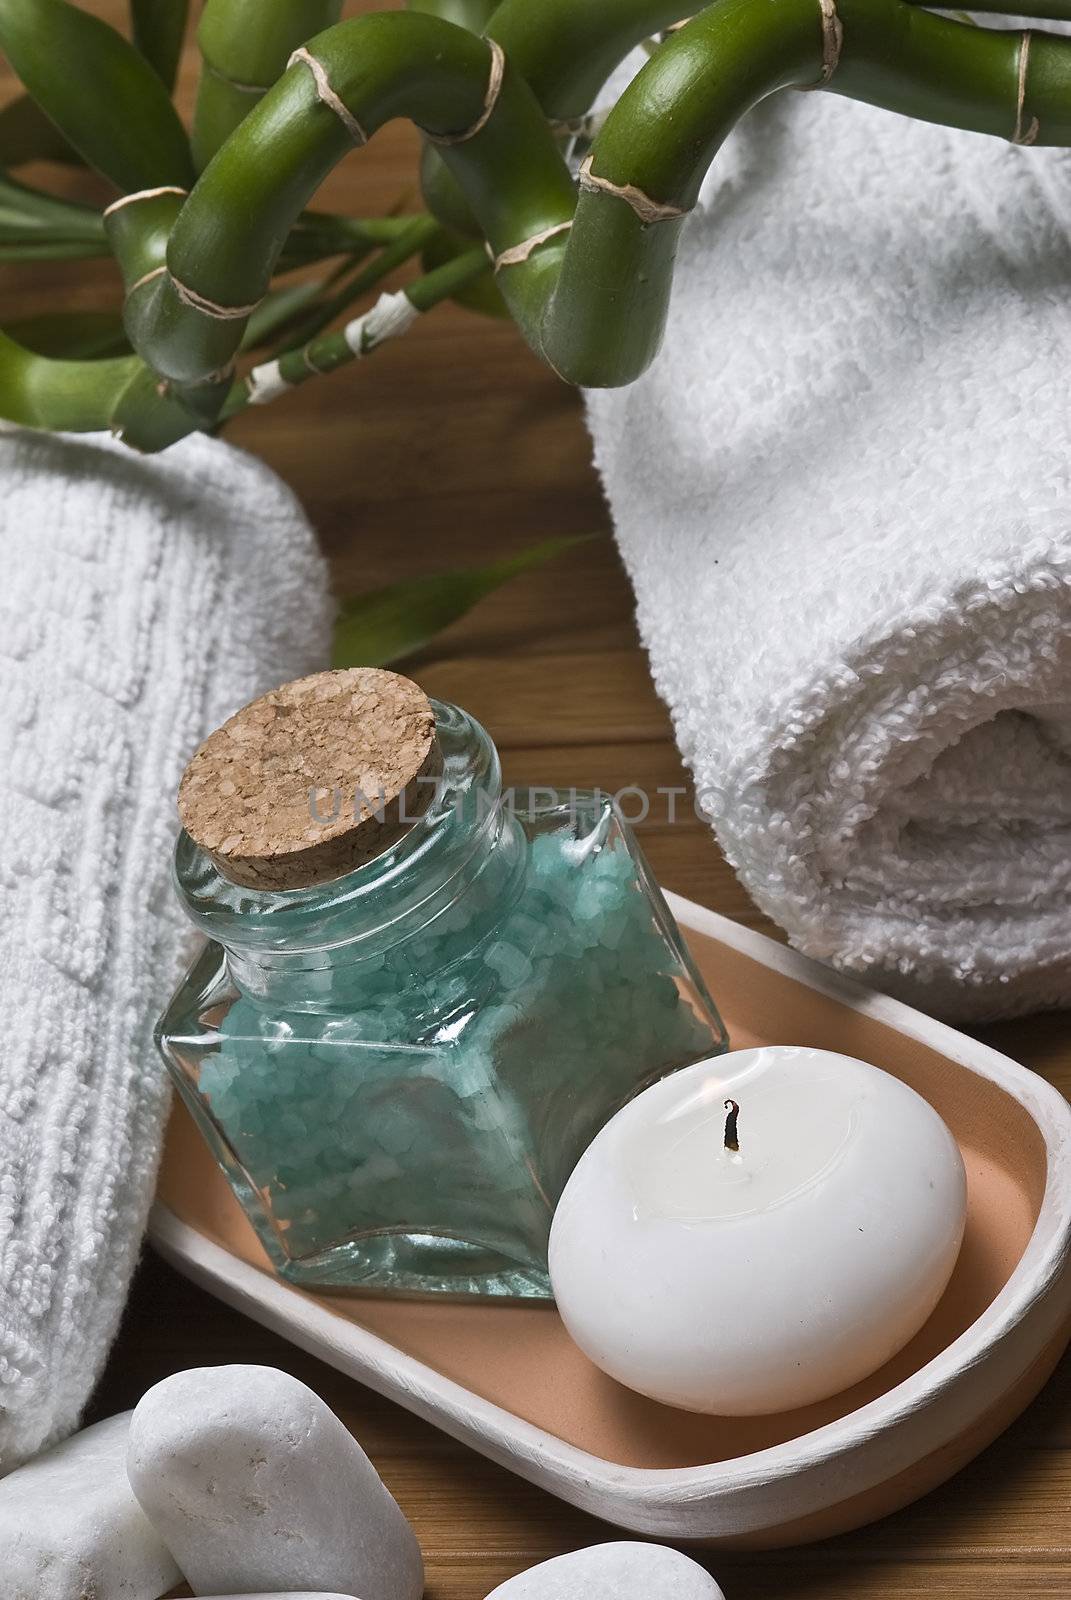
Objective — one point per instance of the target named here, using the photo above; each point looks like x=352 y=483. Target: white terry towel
x=142 y=601
x=843 y=493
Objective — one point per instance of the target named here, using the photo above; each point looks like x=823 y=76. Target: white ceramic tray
x=508 y=1381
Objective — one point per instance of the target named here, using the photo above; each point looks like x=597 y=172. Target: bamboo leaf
x=101 y=94
x=317 y=235
x=50 y=249
x=278 y=309
x=31 y=214
x=39 y=227
x=159 y=27
x=73 y=335
x=386 y=625
x=26 y=134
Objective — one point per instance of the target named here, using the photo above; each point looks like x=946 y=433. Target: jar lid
x=313 y=779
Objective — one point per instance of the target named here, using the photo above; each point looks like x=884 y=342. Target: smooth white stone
x=70 y=1525
x=255 y=1485
x=623 y=1571
x=275 y=1595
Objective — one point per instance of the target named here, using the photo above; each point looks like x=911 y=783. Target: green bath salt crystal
x=399 y=1067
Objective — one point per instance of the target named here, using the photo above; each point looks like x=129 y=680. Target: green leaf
x=159 y=27
x=51 y=249
x=39 y=227
x=318 y=235
x=101 y=94
x=72 y=335
x=33 y=216
x=279 y=308
x=26 y=134
x=386 y=625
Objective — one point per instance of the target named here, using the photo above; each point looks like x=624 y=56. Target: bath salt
x=364 y=1120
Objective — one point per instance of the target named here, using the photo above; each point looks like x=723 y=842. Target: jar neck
x=463 y=860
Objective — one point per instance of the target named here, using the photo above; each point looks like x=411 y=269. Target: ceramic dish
x=507 y=1380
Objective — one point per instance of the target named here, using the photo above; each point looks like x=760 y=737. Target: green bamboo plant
x=205 y=222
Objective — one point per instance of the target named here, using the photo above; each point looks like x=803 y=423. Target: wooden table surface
x=447 y=447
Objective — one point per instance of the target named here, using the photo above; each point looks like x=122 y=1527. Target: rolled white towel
x=142 y=601
x=843 y=494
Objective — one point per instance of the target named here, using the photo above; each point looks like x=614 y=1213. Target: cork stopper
x=314 y=779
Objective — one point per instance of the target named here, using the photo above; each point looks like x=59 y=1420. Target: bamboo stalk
x=443 y=195
x=642 y=178
x=1044 y=10
x=586 y=277
x=637 y=185
x=566 y=51
x=67 y=396
x=245 y=46
x=138 y=228
x=150 y=415
x=1011 y=83
x=471 y=14
x=420 y=233
x=589 y=292
x=392 y=315
x=285 y=311
x=188 y=321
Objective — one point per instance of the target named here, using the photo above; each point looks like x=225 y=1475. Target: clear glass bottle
x=398 y=1069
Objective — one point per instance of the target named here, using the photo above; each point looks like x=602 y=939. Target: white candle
x=759 y=1278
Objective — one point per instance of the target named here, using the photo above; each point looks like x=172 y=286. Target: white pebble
x=275 y=1595
x=70 y=1525
x=255 y=1485
x=623 y=1571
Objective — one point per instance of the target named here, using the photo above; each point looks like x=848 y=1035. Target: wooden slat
x=572 y=698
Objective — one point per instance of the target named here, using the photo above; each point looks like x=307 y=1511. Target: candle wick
x=732 y=1142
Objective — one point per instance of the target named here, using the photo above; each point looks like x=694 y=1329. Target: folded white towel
x=141 y=602
x=844 y=496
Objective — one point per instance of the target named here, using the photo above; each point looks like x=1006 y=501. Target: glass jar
x=398 y=1069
